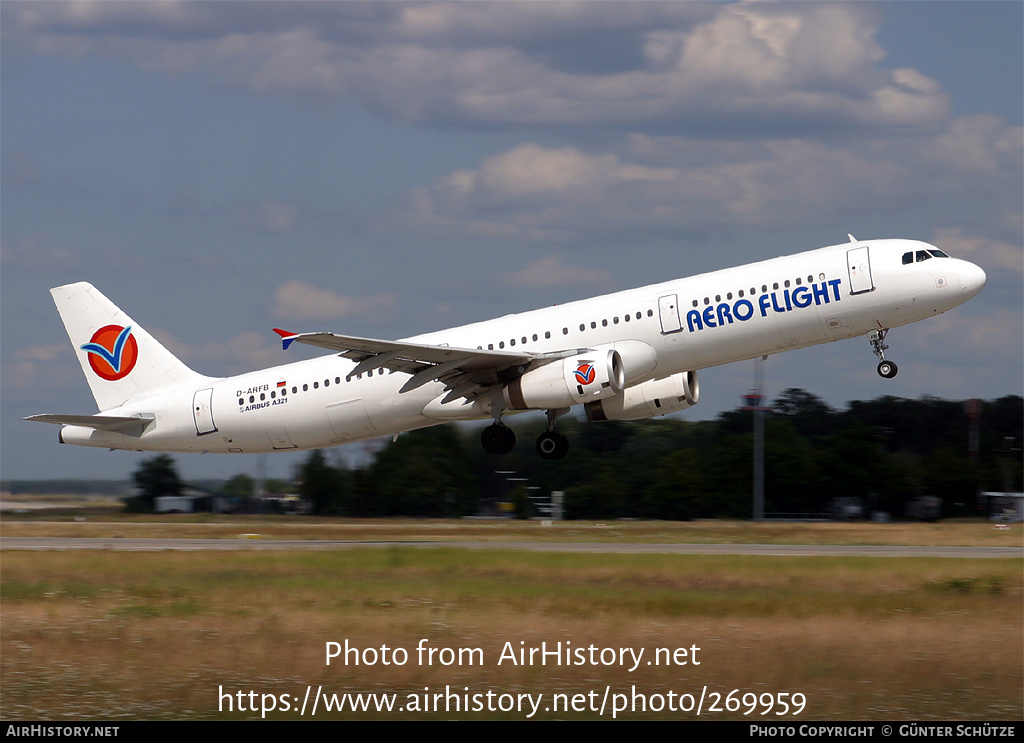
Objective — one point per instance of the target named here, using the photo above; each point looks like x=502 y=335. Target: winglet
x=287 y=337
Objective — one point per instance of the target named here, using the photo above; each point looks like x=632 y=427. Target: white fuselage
x=660 y=330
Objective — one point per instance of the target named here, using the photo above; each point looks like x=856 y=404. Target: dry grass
x=973 y=533
x=106 y=635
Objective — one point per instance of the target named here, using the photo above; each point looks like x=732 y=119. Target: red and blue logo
x=585 y=373
x=112 y=352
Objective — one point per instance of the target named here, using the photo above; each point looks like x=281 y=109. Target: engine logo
x=585 y=373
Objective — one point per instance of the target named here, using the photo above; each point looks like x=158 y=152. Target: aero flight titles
x=714 y=316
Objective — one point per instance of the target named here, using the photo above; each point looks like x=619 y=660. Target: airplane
x=625 y=356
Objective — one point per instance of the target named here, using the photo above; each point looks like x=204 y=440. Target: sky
x=385 y=169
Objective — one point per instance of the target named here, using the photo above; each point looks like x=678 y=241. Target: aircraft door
x=202 y=412
x=858 y=262
x=668 y=310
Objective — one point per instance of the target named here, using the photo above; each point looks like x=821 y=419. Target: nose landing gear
x=886 y=369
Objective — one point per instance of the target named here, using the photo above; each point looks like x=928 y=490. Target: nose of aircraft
x=972 y=279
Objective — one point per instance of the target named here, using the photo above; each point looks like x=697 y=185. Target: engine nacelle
x=655 y=397
x=562 y=384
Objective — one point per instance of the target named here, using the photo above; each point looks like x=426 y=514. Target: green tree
x=321 y=484
x=239 y=486
x=154 y=478
x=424 y=473
x=677 y=491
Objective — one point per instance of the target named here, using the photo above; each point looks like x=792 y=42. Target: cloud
x=49 y=352
x=550 y=272
x=298 y=300
x=19 y=170
x=39 y=253
x=667 y=185
x=267 y=216
x=990 y=254
x=717 y=70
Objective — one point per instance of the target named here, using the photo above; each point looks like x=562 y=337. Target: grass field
x=110 y=525
x=108 y=635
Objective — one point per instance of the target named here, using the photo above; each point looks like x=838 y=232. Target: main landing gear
x=551 y=444
x=876 y=338
x=498 y=438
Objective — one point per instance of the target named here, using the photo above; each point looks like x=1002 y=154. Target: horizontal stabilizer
x=129 y=425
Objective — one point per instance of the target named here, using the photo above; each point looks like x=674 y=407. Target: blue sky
x=385 y=169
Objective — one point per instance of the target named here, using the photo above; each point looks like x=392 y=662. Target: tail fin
x=121 y=361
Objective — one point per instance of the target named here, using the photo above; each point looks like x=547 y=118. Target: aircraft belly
x=349 y=420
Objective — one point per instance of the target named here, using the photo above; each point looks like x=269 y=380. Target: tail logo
x=585 y=373
x=112 y=352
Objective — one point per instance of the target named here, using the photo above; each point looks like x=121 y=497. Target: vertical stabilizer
x=121 y=361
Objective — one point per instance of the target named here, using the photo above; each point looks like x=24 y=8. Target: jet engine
x=654 y=397
x=577 y=379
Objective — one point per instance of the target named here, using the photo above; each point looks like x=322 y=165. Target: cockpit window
x=938 y=253
x=908 y=258
x=922 y=255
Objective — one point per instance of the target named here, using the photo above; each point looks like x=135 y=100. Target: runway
x=256 y=544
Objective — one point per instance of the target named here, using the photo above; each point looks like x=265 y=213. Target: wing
x=462 y=370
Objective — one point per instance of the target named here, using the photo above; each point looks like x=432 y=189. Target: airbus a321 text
x=624 y=356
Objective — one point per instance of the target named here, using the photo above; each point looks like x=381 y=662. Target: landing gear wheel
x=552 y=445
x=887 y=369
x=498 y=439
